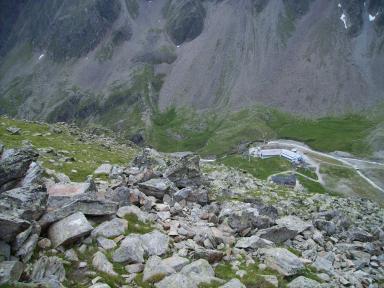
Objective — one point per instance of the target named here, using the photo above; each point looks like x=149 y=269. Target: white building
x=292 y=156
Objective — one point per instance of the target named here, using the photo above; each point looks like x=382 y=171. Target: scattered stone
x=101 y=264
x=105 y=243
x=358 y=234
x=69 y=229
x=121 y=195
x=103 y=169
x=126 y=210
x=130 y=250
x=294 y=223
x=100 y=285
x=176 y=281
x=156 y=187
x=71 y=255
x=5 y=251
x=155 y=243
x=327 y=226
x=270 y=280
x=14 y=130
x=10 y=271
x=48 y=270
x=302 y=282
x=86 y=206
x=234 y=283
x=25 y=252
x=135 y=268
x=283 y=261
x=44 y=244
x=176 y=262
x=155 y=269
x=277 y=234
x=112 y=228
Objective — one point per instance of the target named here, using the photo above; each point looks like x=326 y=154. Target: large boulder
x=100 y=263
x=130 y=250
x=277 y=234
x=112 y=228
x=69 y=229
x=281 y=260
x=49 y=270
x=155 y=243
x=19 y=207
x=14 y=164
x=358 y=234
x=11 y=226
x=191 y=276
x=327 y=226
x=33 y=175
x=86 y=206
x=156 y=187
x=200 y=271
x=176 y=262
x=10 y=271
x=294 y=223
x=240 y=216
x=176 y=281
x=184 y=170
x=120 y=195
x=25 y=202
x=63 y=192
x=253 y=242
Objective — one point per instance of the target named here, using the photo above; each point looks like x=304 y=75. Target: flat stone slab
x=68 y=190
x=86 y=206
x=69 y=229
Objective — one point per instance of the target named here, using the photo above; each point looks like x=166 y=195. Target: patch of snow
x=343 y=18
x=41 y=56
x=178 y=46
x=339 y=5
x=372 y=18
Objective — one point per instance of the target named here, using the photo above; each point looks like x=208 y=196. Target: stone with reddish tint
x=68 y=190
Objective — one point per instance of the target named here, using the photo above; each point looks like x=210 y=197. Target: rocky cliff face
x=112 y=60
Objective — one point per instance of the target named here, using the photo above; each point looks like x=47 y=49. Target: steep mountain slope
x=118 y=62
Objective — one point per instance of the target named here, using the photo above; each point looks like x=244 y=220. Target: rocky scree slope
x=91 y=60
x=166 y=220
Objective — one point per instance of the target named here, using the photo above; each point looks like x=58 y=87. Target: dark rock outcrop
x=185 y=20
x=14 y=164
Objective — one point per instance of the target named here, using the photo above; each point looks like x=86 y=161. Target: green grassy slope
x=213 y=133
x=86 y=157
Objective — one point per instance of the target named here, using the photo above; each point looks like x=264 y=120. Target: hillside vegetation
x=212 y=133
x=63 y=149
